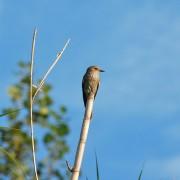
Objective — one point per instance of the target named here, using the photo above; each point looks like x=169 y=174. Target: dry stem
x=32 y=98
x=50 y=69
x=31 y=102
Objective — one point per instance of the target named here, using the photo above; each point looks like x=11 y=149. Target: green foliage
x=50 y=132
x=21 y=169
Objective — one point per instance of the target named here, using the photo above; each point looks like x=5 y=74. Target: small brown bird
x=90 y=83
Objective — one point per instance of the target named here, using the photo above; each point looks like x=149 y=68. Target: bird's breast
x=94 y=76
x=91 y=81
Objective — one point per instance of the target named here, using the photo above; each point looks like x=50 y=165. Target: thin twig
x=31 y=102
x=59 y=55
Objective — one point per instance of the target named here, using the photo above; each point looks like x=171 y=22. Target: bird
x=91 y=82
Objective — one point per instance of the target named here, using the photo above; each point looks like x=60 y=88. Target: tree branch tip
x=69 y=167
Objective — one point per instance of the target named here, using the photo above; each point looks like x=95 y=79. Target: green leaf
x=45 y=101
x=44 y=111
x=23 y=65
x=15 y=92
x=55 y=115
x=61 y=129
x=25 y=79
x=48 y=138
x=63 y=109
x=46 y=88
x=57 y=174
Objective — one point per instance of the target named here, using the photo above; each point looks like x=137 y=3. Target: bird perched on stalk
x=90 y=83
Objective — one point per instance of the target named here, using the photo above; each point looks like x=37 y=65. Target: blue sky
x=137 y=112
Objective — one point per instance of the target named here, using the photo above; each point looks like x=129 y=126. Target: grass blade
x=140 y=174
x=10 y=129
x=97 y=168
x=10 y=112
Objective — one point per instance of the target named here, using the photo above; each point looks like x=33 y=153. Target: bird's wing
x=97 y=89
x=84 y=96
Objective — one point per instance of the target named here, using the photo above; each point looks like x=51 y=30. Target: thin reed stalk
x=32 y=97
x=82 y=140
x=31 y=102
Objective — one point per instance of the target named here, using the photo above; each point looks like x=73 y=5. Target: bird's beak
x=101 y=70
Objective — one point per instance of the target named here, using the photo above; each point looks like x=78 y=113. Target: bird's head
x=94 y=69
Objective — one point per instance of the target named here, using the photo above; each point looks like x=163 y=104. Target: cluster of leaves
x=50 y=132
